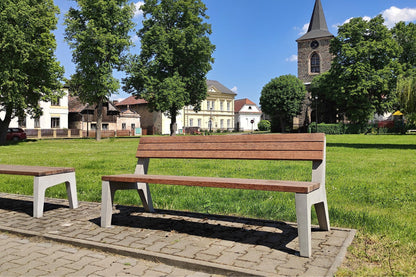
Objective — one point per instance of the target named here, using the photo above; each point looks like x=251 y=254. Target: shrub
x=264 y=125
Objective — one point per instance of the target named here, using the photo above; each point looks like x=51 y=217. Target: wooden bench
x=45 y=177
x=305 y=147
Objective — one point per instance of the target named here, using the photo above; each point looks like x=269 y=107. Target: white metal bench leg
x=107 y=197
x=71 y=190
x=145 y=196
x=322 y=214
x=303 y=216
x=41 y=183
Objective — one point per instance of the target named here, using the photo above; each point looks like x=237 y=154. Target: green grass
x=371 y=186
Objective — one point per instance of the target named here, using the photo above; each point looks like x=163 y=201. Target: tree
x=364 y=68
x=282 y=99
x=405 y=35
x=406 y=91
x=98 y=33
x=176 y=54
x=29 y=71
x=323 y=88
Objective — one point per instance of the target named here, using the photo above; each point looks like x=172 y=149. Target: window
x=222 y=123
x=199 y=122
x=133 y=126
x=123 y=126
x=315 y=63
x=22 y=122
x=228 y=106
x=37 y=122
x=55 y=122
x=104 y=126
x=191 y=122
x=55 y=102
x=221 y=106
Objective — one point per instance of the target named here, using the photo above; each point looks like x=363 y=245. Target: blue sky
x=256 y=40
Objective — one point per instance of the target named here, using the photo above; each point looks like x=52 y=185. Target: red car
x=15 y=134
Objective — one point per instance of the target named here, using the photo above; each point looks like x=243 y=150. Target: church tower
x=313 y=47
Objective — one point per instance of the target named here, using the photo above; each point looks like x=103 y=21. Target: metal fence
x=75 y=133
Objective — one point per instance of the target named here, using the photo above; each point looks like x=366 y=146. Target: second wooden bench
x=45 y=177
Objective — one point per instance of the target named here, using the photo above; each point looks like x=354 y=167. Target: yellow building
x=217 y=111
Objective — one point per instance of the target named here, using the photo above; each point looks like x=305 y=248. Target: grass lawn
x=371 y=186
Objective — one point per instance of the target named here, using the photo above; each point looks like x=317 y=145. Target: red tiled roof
x=132 y=100
x=238 y=104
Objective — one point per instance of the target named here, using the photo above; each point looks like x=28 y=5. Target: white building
x=247 y=115
x=55 y=115
x=217 y=110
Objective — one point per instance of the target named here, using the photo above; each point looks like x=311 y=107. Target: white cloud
x=293 y=58
x=394 y=15
x=234 y=89
x=304 y=29
x=137 y=11
x=366 y=18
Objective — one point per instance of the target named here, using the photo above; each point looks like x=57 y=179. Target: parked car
x=15 y=134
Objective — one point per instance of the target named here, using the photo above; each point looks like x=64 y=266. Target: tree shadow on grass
x=374 y=146
x=273 y=234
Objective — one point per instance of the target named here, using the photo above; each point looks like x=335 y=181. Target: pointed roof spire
x=317 y=26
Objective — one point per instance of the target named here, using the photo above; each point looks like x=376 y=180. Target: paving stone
x=178 y=238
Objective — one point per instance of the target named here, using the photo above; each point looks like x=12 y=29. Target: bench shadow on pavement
x=23 y=206
x=273 y=234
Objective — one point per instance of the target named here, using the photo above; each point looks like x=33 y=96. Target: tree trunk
x=4 y=125
x=99 y=120
x=173 y=126
x=282 y=124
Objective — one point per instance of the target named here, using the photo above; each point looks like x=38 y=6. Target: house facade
x=151 y=122
x=247 y=115
x=217 y=111
x=84 y=116
x=55 y=115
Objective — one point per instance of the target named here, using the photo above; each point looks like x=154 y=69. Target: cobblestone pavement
x=165 y=243
x=21 y=256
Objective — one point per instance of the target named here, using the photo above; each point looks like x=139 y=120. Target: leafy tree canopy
x=364 y=68
x=176 y=54
x=29 y=71
x=405 y=35
x=282 y=99
x=98 y=33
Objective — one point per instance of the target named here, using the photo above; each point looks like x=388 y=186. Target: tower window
x=315 y=63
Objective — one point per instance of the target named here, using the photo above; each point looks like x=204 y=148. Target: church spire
x=317 y=26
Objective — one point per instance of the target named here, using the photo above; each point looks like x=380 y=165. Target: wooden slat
x=249 y=146
x=245 y=155
x=232 y=183
x=33 y=170
x=236 y=138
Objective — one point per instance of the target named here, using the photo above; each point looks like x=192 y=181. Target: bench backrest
x=308 y=147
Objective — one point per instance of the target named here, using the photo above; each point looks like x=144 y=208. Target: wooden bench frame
x=307 y=147
x=44 y=178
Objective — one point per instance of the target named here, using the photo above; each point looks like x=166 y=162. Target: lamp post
x=316 y=114
x=210 y=120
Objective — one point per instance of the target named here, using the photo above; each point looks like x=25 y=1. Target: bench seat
x=44 y=178
x=231 y=183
